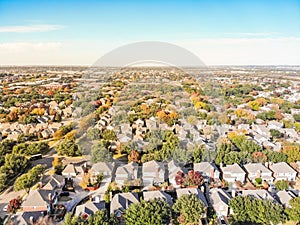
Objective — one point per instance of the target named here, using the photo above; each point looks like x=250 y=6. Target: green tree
x=181 y=155
x=247 y=209
x=233 y=157
x=109 y=135
x=188 y=209
x=222 y=150
x=3 y=180
x=57 y=165
x=23 y=183
x=14 y=164
x=281 y=185
x=93 y=134
x=6 y=147
x=100 y=153
x=31 y=149
x=294 y=211
x=68 y=147
x=101 y=218
x=20 y=148
x=250 y=147
x=27 y=180
x=70 y=220
x=152 y=212
x=275 y=133
x=296 y=117
x=198 y=153
x=276 y=157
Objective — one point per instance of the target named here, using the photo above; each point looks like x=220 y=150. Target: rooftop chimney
x=31 y=220
x=233 y=193
x=211 y=173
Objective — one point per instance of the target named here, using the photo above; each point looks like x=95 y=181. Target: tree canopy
x=294 y=211
x=281 y=185
x=27 y=180
x=68 y=147
x=247 y=209
x=99 y=218
x=188 y=209
x=100 y=153
x=152 y=212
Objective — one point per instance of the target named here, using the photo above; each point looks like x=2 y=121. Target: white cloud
x=16 y=47
x=246 y=51
x=252 y=34
x=213 y=51
x=30 y=28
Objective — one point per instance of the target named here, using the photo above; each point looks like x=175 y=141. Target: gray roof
x=195 y=191
x=218 y=195
x=281 y=167
x=254 y=167
x=152 y=166
x=234 y=168
x=69 y=170
x=150 y=195
x=37 y=197
x=103 y=167
x=122 y=201
x=54 y=182
x=260 y=194
x=127 y=169
x=284 y=197
x=89 y=208
x=205 y=167
x=174 y=167
x=24 y=217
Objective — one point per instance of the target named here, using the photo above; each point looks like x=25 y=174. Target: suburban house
x=38 y=200
x=72 y=171
x=153 y=173
x=283 y=171
x=102 y=168
x=54 y=182
x=28 y=218
x=284 y=197
x=89 y=208
x=232 y=173
x=259 y=194
x=220 y=201
x=258 y=170
x=121 y=201
x=194 y=191
x=127 y=173
x=262 y=130
x=208 y=170
x=150 y=195
x=173 y=169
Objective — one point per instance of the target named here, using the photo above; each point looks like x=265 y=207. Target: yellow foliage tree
x=241 y=113
x=261 y=101
x=292 y=150
x=254 y=105
x=38 y=111
x=200 y=105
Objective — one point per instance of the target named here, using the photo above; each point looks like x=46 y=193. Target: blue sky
x=219 y=32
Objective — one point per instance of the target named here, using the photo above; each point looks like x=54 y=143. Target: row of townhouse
x=121 y=201
x=156 y=173
x=219 y=198
x=270 y=172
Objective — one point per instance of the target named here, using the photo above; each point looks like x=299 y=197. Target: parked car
x=65 y=193
x=221 y=220
x=5 y=208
